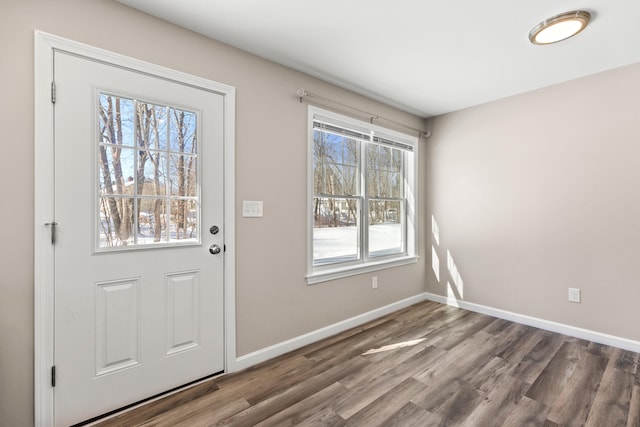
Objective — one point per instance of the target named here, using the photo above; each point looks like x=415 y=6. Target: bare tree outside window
x=147 y=161
x=359 y=195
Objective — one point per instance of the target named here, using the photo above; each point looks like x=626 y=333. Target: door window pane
x=152 y=119
x=152 y=221
x=184 y=220
x=147 y=167
x=183 y=174
x=182 y=136
x=115 y=226
x=116 y=120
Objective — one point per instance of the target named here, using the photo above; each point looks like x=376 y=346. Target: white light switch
x=251 y=209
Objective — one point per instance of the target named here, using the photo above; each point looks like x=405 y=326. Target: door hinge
x=53 y=92
x=53 y=225
x=53 y=376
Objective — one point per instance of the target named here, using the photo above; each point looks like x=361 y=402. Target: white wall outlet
x=574 y=295
x=374 y=282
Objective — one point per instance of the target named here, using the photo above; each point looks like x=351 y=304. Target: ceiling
x=426 y=57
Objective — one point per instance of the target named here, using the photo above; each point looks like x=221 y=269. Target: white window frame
x=331 y=271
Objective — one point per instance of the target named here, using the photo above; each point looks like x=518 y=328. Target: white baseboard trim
x=279 y=349
x=586 y=334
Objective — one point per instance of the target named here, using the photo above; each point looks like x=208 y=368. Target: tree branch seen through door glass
x=147 y=168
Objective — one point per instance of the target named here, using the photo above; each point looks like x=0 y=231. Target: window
x=362 y=197
x=147 y=163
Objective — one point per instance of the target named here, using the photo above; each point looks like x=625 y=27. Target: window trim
x=332 y=271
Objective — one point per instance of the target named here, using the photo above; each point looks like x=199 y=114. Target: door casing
x=45 y=45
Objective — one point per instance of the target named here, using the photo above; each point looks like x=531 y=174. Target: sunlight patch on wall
x=435 y=230
x=452 y=298
x=455 y=289
x=435 y=263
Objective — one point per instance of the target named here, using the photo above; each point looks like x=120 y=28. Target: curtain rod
x=302 y=93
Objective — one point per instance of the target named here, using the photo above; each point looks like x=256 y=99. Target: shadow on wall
x=454 y=283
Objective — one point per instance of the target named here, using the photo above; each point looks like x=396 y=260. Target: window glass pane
x=184 y=220
x=384 y=157
x=372 y=182
x=388 y=184
x=116 y=169
x=152 y=181
x=385 y=227
x=152 y=224
x=152 y=125
x=106 y=174
x=349 y=178
x=147 y=169
x=182 y=175
x=182 y=135
x=335 y=229
x=350 y=156
x=116 y=120
x=356 y=222
x=394 y=181
x=115 y=227
x=397 y=160
x=384 y=172
x=372 y=156
x=335 y=164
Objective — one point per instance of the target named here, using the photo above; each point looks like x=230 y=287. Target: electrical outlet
x=574 y=295
x=374 y=282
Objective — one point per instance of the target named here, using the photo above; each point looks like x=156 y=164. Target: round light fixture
x=560 y=27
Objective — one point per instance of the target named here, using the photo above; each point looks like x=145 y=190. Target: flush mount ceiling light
x=559 y=27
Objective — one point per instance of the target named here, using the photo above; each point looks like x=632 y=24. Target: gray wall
x=541 y=192
x=273 y=301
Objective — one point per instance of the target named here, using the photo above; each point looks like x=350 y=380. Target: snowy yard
x=330 y=242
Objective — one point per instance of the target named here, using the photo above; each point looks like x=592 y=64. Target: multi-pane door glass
x=148 y=173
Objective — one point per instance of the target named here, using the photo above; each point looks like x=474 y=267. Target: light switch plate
x=252 y=209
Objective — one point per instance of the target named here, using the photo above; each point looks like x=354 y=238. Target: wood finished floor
x=427 y=365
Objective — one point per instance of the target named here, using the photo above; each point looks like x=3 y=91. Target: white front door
x=139 y=236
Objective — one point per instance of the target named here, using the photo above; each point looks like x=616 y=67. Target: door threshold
x=120 y=411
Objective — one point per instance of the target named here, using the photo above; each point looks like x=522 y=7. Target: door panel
x=183 y=311
x=138 y=308
x=116 y=326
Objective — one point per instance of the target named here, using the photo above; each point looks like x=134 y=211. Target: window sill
x=327 y=274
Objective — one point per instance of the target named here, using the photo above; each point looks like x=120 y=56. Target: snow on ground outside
x=331 y=242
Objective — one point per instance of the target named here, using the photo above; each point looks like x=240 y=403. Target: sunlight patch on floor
x=394 y=346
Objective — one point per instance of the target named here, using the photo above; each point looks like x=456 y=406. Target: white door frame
x=45 y=45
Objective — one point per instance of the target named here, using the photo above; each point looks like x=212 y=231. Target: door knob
x=214 y=249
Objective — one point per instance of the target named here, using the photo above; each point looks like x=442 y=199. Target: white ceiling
x=424 y=56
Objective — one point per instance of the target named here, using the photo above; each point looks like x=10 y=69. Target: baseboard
x=560 y=328
x=279 y=349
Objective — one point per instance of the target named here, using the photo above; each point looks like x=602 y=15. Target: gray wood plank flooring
x=426 y=365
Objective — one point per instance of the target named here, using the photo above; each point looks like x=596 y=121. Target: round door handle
x=214 y=249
